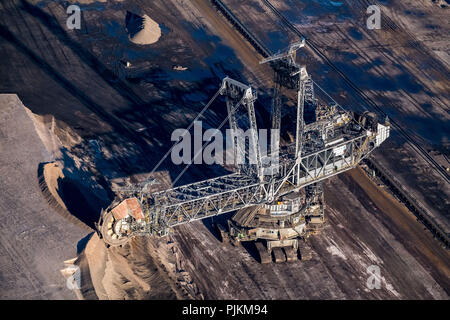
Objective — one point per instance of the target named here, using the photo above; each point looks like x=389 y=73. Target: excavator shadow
x=250 y=247
x=211 y=224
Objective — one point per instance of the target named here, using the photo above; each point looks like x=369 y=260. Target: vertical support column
x=316 y=207
x=309 y=91
x=233 y=127
x=251 y=97
x=303 y=76
x=235 y=94
x=276 y=119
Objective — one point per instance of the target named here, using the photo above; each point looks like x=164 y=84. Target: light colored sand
x=35 y=239
x=52 y=173
x=150 y=33
x=143 y=269
x=53 y=133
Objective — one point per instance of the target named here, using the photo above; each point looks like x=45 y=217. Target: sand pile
x=62 y=194
x=142 y=29
x=49 y=174
x=53 y=133
x=142 y=269
x=67 y=182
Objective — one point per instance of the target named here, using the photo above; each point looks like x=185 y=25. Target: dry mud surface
x=143 y=269
x=371 y=228
x=101 y=124
x=403 y=67
x=35 y=239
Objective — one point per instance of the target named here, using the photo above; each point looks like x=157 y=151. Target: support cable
x=188 y=128
x=204 y=145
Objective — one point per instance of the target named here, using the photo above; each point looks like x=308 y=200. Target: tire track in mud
x=414 y=44
x=102 y=73
x=369 y=101
x=426 y=55
x=413 y=41
x=382 y=74
x=363 y=96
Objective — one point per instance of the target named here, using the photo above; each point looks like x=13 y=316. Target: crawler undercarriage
x=279 y=229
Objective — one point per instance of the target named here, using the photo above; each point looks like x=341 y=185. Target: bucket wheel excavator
x=277 y=196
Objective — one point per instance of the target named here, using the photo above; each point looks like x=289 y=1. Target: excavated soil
x=94 y=123
x=142 y=269
x=142 y=30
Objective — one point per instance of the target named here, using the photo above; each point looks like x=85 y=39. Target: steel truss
x=297 y=168
x=237 y=93
x=235 y=191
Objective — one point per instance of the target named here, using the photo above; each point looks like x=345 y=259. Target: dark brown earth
x=403 y=68
x=124 y=118
x=369 y=228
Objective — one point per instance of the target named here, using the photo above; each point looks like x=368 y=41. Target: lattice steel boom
x=333 y=143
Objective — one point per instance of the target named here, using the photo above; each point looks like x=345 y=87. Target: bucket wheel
x=114 y=232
